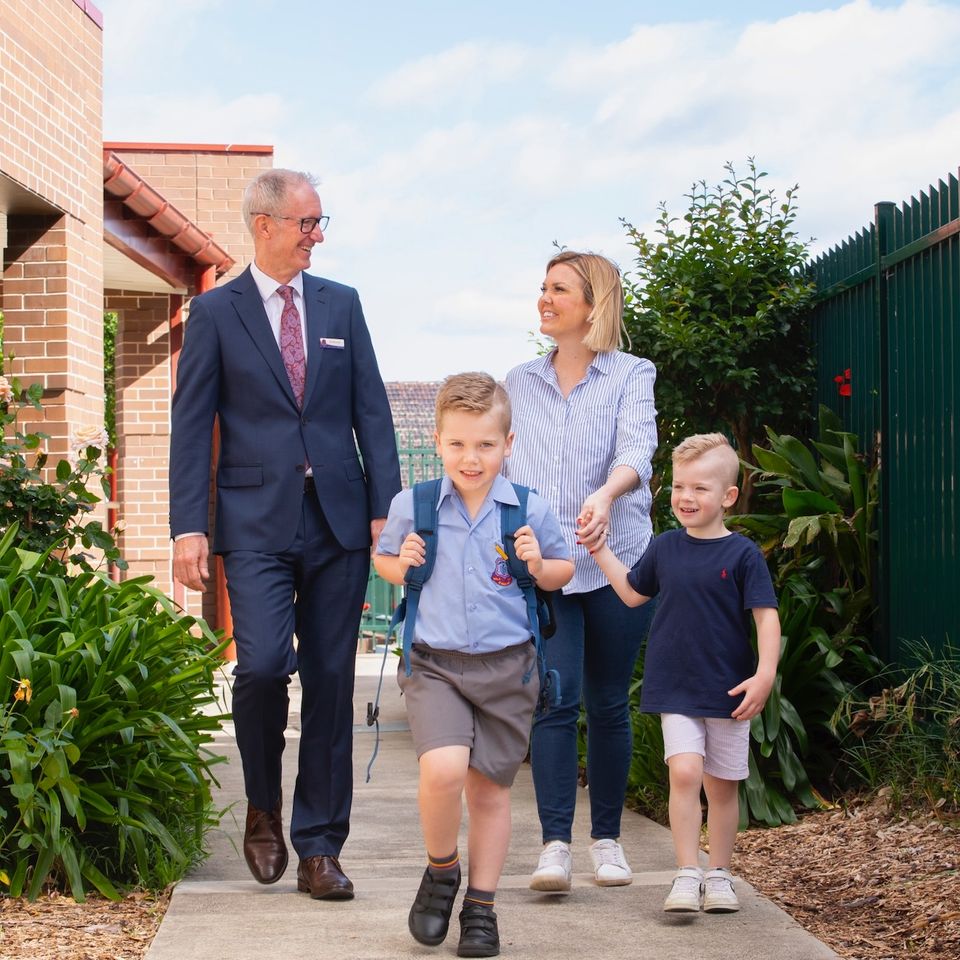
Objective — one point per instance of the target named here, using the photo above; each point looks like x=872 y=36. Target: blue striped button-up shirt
x=471 y=603
x=566 y=448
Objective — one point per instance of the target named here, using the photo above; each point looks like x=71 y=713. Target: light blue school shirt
x=471 y=603
x=565 y=448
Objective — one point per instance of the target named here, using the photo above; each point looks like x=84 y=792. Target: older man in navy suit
x=283 y=360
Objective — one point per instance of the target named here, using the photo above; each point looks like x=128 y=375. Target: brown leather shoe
x=263 y=846
x=323 y=879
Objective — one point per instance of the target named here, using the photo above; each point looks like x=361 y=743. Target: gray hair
x=268 y=191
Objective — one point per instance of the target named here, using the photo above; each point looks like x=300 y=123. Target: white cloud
x=463 y=71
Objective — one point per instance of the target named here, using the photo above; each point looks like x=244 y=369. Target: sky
x=458 y=143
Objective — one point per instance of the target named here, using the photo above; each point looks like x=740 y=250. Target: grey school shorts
x=475 y=700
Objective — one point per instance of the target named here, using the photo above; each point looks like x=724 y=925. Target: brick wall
x=143 y=430
x=206 y=184
x=51 y=74
x=50 y=154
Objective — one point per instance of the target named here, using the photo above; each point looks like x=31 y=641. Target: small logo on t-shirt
x=501 y=568
x=723 y=574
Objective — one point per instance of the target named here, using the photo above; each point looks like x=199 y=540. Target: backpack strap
x=425 y=523
x=512 y=517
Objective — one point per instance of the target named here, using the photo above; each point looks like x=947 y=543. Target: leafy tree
x=718 y=303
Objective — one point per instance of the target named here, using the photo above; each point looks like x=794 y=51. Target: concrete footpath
x=220 y=913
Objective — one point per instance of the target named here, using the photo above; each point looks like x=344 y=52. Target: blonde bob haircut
x=473 y=393
x=267 y=192
x=702 y=444
x=603 y=291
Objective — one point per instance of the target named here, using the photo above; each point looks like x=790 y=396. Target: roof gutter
x=122 y=182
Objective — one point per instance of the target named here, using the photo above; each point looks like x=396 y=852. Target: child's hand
x=593 y=521
x=413 y=552
x=528 y=550
x=755 y=689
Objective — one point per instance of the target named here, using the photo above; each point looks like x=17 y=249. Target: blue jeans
x=594 y=649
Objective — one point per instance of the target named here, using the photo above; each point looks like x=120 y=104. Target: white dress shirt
x=273 y=302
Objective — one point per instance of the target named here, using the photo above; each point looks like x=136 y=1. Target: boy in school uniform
x=474 y=682
x=700 y=672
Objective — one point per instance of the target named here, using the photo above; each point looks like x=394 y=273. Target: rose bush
x=52 y=507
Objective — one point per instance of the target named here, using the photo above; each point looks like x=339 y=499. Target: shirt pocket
x=593 y=431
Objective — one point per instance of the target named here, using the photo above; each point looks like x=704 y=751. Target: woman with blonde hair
x=585 y=429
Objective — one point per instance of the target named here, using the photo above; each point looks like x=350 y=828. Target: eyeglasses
x=307 y=224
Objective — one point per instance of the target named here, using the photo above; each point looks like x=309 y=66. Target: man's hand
x=190 y=562
x=376 y=528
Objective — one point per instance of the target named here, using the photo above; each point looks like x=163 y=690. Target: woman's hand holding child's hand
x=593 y=521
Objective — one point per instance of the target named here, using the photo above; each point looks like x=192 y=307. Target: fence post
x=883 y=242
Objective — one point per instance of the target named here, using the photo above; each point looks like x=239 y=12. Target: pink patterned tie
x=291 y=343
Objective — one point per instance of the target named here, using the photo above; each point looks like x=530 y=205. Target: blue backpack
x=425 y=520
x=426 y=496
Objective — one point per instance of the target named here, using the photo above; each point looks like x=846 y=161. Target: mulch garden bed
x=871 y=884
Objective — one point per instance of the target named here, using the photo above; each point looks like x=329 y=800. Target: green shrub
x=906 y=739
x=717 y=300
x=105 y=769
x=51 y=510
x=819 y=539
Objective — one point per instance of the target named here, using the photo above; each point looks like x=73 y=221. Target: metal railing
x=886 y=330
x=417 y=462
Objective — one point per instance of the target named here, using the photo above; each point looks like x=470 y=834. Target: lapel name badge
x=331 y=343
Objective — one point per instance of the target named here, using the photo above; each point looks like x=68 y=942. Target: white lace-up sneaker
x=684 y=895
x=718 y=893
x=555 y=868
x=610 y=865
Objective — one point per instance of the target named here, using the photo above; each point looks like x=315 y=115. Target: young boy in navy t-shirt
x=700 y=671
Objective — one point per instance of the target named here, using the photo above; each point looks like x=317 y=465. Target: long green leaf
x=71 y=865
x=102 y=883
x=800 y=503
x=41 y=868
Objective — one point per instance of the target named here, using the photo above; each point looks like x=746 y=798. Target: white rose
x=89 y=436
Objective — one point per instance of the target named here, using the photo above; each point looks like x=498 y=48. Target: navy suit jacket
x=230 y=367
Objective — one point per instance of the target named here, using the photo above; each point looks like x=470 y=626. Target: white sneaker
x=718 y=893
x=610 y=865
x=684 y=895
x=555 y=868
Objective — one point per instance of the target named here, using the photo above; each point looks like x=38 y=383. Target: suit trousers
x=314 y=589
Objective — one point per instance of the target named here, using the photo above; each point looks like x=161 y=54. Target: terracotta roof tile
x=412 y=404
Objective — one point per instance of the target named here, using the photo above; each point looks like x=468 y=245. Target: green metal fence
x=888 y=349
x=416 y=463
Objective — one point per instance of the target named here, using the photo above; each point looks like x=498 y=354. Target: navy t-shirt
x=699 y=645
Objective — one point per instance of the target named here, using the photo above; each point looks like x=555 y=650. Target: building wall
x=51 y=166
x=143 y=430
